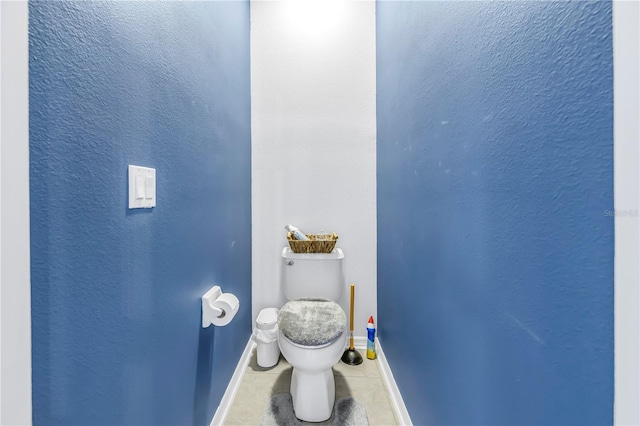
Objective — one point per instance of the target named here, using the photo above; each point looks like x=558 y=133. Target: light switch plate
x=142 y=187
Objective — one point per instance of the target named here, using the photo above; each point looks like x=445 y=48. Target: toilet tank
x=312 y=274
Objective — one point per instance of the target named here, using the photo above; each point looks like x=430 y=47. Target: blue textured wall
x=117 y=337
x=494 y=171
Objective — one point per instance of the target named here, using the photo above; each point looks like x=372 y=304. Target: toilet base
x=313 y=394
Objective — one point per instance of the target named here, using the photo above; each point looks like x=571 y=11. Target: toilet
x=312 y=329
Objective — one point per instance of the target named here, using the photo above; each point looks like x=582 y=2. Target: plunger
x=351 y=356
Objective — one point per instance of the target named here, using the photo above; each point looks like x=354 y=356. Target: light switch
x=142 y=187
x=150 y=187
x=139 y=187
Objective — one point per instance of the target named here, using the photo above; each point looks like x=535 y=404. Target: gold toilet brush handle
x=353 y=289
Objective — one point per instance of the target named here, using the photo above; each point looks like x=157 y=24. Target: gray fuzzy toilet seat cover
x=312 y=321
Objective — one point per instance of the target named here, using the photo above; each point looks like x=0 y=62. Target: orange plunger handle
x=353 y=288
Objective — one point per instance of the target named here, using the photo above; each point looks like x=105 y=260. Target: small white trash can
x=266 y=337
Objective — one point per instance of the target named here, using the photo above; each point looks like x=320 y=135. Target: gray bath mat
x=347 y=412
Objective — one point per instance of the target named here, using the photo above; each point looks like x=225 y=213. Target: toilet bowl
x=312 y=339
x=313 y=388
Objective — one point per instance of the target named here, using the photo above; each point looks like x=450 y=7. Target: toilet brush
x=351 y=356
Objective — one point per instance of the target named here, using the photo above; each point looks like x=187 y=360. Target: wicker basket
x=318 y=243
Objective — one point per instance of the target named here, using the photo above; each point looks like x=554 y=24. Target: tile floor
x=362 y=382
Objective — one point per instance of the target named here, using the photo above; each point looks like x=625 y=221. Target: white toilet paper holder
x=210 y=312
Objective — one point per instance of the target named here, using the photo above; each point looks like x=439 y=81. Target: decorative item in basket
x=317 y=243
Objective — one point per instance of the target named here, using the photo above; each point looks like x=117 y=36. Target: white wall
x=626 y=48
x=15 y=285
x=313 y=118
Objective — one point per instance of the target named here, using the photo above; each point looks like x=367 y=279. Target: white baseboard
x=400 y=410
x=232 y=388
x=360 y=342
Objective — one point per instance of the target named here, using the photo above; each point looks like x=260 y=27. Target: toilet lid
x=312 y=321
